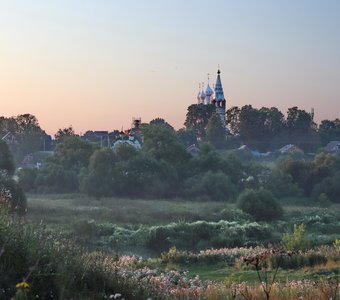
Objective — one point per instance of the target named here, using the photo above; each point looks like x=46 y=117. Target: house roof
x=333 y=146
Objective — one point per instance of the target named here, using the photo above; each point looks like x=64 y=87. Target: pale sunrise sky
x=96 y=64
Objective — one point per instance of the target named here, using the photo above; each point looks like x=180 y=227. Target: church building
x=214 y=97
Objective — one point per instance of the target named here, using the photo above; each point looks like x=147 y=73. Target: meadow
x=76 y=247
x=148 y=228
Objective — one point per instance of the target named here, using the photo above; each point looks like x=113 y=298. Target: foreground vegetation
x=149 y=227
x=36 y=264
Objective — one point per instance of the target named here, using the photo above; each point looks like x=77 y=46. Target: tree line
x=264 y=129
x=164 y=169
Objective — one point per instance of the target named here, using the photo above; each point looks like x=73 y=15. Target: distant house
x=193 y=150
x=290 y=148
x=35 y=160
x=244 y=148
x=333 y=147
x=9 y=139
x=131 y=141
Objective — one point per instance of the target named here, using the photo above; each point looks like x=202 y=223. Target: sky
x=95 y=65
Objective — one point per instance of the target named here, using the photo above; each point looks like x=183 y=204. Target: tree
x=9 y=189
x=215 y=132
x=6 y=159
x=161 y=122
x=73 y=153
x=29 y=135
x=301 y=129
x=54 y=178
x=260 y=204
x=197 y=118
x=163 y=144
x=214 y=186
x=64 y=133
x=233 y=120
x=296 y=241
x=329 y=131
x=187 y=137
x=99 y=178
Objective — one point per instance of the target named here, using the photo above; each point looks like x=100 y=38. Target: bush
x=215 y=186
x=27 y=179
x=298 y=261
x=297 y=240
x=57 y=269
x=260 y=204
x=203 y=235
x=17 y=199
x=54 y=178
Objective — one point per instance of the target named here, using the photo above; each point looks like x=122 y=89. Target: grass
x=57 y=209
x=60 y=213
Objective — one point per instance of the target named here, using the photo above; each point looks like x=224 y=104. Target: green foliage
x=18 y=201
x=54 y=178
x=215 y=132
x=187 y=137
x=336 y=243
x=214 y=186
x=197 y=118
x=99 y=179
x=6 y=158
x=329 y=131
x=297 y=240
x=323 y=200
x=297 y=261
x=163 y=144
x=203 y=235
x=55 y=269
x=260 y=204
x=29 y=135
x=315 y=177
x=27 y=178
x=161 y=122
x=73 y=153
x=64 y=133
x=280 y=183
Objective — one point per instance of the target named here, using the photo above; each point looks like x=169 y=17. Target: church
x=214 y=96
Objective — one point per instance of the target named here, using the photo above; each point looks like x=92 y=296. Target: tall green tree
x=329 y=131
x=163 y=144
x=187 y=137
x=301 y=129
x=6 y=159
x=197 y=118
x=161 y=122
x=73 y=153
x=215 y=132
x=61 y=134
x=99 y=179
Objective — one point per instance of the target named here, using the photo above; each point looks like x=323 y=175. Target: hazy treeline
x=264 y=129
x=163 y=168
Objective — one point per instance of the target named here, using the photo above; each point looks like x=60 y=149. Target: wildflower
x=23 y=286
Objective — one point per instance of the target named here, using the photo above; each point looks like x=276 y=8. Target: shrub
x=54 y=178
x=336 y=243
x=260 y=204
x=215 y=186
x=27 y=179
x=298 y=261
x=323 y=200
x=298 y=240
x=17 y=198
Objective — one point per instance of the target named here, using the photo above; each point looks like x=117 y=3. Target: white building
x=214 y=97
